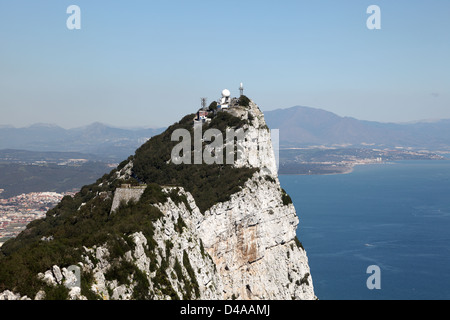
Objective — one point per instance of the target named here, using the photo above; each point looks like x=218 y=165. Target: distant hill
x=97 y=139
x=304 y=126
x=299 y=127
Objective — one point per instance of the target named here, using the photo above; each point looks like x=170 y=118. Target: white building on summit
x=225 y=100
x=224 y=103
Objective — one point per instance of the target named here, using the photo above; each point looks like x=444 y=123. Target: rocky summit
x=152 y=229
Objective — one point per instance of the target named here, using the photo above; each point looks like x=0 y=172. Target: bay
x=395 y=216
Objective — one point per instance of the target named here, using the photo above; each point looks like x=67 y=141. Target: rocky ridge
x=243 y=248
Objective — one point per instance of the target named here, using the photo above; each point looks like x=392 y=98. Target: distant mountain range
x=304 y=126
x=299 y=127
x=97 y=139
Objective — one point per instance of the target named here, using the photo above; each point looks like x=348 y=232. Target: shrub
x=120 y=271
x=180 y=225
x=177 y=268
x=87 y=279
x=177 y=198
x=59 y=292
x=269 y=178
x=298 y=243
x=162 y=282
x=244 y=101
x=141 y=288
x=285 y=198
x=304 y=280
x=191 y=273
x=213 y=106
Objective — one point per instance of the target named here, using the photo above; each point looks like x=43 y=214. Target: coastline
x=349 y=168
x=348 y=171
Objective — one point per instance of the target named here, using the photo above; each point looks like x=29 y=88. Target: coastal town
x=16 y=212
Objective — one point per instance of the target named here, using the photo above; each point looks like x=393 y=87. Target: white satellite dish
x=226 y=93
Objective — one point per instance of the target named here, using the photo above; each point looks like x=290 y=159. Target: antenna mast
x=241 y=89
x=204 y=101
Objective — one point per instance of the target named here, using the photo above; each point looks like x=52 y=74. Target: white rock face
x=188 y=241
x=257 y=146
x=8 y=295
x=251 y=239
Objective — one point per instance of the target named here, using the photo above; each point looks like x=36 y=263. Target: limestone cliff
x=174 y=238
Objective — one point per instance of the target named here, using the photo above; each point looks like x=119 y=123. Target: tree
x=244 y=101
x=213 y=106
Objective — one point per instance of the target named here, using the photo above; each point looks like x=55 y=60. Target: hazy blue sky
x=148 y=63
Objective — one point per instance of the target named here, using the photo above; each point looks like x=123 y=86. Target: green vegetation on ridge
x=208 y=184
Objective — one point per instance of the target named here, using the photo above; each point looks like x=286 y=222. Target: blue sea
x=395 y=216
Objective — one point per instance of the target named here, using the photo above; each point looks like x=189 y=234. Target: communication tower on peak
x=241 y=89
x=204 y=101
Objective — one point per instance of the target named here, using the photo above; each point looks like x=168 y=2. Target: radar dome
x=226 y=93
